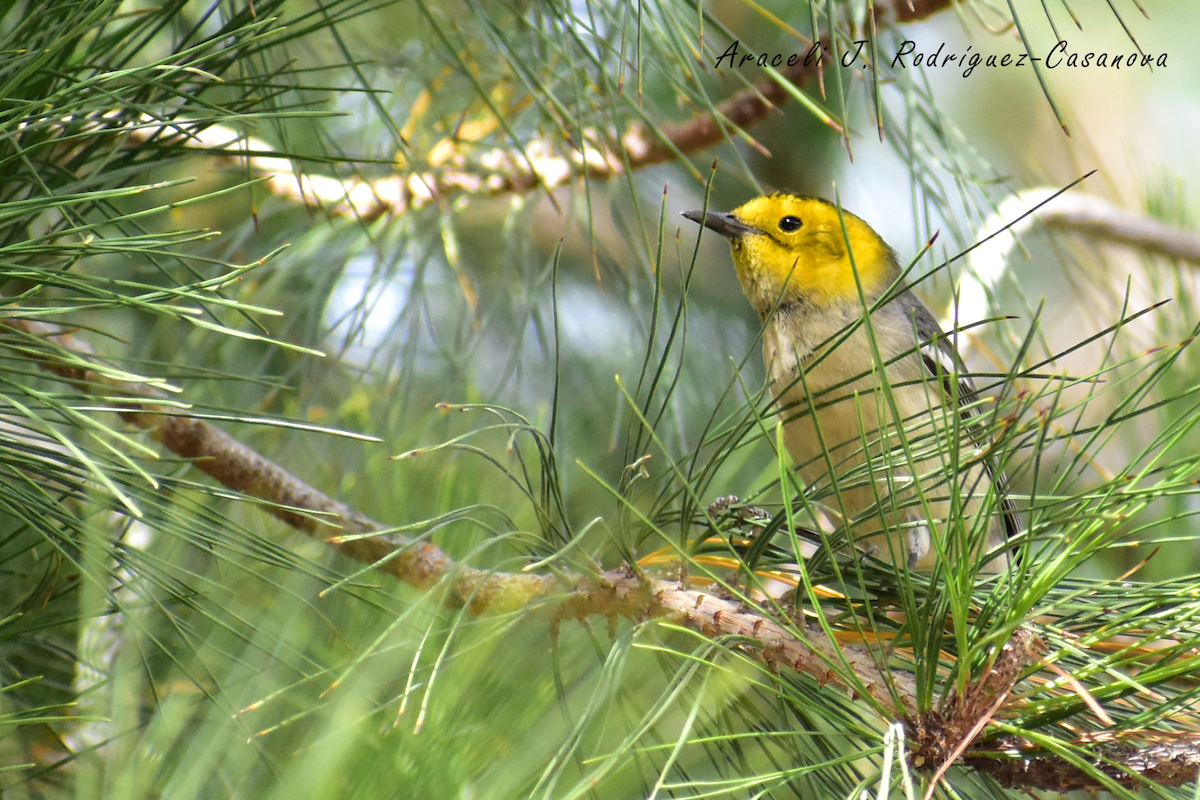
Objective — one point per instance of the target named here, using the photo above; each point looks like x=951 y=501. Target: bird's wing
x=943 y=365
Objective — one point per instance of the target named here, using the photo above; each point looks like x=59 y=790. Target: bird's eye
x=789 y=224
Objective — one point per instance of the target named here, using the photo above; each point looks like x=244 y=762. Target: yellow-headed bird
x=808 y=269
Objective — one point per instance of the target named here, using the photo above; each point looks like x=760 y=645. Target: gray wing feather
x=943 y=364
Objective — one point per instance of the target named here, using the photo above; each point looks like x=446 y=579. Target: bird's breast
x=815 y=366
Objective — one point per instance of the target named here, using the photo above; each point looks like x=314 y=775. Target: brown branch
x=454 y=166
x=1130 y=764
x=943 y=736
x=540 y=163
x=937 y=737
x=743 y=110
x=775 y=643
x=616 y=593
x=940 y=736
x=242 y=469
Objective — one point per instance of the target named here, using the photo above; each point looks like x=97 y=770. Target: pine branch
x=1173 y=761
x=541 y=163
x=616 y=593
x=938 y=737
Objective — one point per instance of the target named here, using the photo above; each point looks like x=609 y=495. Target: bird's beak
x=723 y=223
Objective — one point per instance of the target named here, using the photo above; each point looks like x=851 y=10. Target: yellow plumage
x=809 y=288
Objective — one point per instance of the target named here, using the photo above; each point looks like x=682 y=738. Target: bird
x=893 y=460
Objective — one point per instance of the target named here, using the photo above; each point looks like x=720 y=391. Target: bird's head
x=788 y=248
